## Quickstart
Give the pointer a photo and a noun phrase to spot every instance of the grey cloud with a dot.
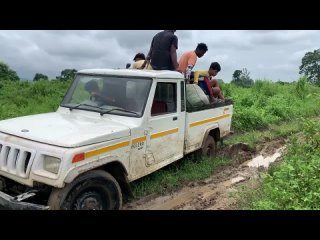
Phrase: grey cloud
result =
(71, 44)
(280, 37)
(134, 39)
(272, 54)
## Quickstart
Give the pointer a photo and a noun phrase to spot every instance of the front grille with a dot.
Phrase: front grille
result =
(15, 160)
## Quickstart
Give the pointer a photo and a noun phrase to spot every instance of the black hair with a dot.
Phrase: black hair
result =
(215, 66)
(139, 55)
(91, 85)
(202, 47)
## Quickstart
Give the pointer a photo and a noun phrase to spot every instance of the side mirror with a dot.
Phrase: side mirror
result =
(128, 65)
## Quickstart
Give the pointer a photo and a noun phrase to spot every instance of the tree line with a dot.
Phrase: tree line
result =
(6, 73)
(66, 74)
(310, 68)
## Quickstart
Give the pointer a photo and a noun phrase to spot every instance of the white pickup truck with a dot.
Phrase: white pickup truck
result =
(84, 155)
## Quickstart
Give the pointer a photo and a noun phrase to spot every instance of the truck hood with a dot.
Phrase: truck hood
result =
(65, 130)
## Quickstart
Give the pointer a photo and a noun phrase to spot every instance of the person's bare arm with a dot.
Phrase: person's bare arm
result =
(214, 83)
(149, 54)
(98, 94)
(196, 77)
(173, 53)
(148, 58)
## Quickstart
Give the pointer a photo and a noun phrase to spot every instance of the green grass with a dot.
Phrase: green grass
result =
(270, 103)
(273, 132)
(294, 183)
(27, 98)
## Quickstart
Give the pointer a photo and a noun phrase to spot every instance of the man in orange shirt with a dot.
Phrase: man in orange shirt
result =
(189, 59)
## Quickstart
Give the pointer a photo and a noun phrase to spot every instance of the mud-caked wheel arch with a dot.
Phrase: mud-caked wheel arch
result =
(94, 190)
(208, 150)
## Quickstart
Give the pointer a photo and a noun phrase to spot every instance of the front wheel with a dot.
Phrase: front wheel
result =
(95, 190)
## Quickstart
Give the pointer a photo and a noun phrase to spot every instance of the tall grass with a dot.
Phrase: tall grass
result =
(271, 103)
(26, 98)
(295, 183)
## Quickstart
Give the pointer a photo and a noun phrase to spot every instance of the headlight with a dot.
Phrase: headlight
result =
(51, 164)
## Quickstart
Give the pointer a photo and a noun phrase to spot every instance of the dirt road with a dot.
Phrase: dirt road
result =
(216, 191)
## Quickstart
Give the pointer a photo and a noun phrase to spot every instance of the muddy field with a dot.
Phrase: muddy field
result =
(217, 191)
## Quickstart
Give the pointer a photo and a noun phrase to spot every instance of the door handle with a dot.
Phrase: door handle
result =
(175, 118)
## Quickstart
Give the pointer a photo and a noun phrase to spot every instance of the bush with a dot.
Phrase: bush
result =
(301, 88)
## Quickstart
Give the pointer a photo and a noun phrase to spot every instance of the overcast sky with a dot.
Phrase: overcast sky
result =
(274, 55)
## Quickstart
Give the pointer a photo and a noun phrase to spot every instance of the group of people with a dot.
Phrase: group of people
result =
(163, 56)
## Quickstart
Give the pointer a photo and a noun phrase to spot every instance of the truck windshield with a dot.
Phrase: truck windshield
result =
(116, 95)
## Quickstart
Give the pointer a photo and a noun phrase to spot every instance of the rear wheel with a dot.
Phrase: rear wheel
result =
(208, 149)
(95, 190)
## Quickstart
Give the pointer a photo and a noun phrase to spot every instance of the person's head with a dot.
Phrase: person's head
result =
(138, 57)
(214, 69)
(201, 49)
(91, 86)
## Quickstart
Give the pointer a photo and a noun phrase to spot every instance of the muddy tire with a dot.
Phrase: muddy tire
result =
(95, 190)
(208, 149)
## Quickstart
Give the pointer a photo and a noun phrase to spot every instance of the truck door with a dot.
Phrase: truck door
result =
(165, 134)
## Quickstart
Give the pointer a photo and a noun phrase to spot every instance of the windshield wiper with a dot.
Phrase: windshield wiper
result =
(83, 104)
(104, 111)
(118, 109)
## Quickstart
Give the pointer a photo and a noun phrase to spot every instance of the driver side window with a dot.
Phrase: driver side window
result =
(165, 99)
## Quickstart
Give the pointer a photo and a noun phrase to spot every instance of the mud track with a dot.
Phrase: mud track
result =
(216, 191)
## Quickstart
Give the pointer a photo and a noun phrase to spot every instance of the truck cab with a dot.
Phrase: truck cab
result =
(112, 127)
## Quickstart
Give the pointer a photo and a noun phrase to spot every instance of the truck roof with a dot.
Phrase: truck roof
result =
(134, 73)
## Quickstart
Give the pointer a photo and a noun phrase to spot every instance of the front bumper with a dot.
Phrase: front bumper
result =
(15, 203)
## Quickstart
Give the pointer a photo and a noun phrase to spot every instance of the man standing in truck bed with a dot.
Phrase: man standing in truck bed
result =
(163, 51)
(189, 59)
